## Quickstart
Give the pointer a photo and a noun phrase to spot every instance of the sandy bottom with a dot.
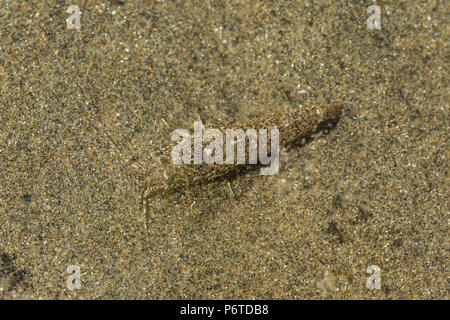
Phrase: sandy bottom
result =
(84, 113)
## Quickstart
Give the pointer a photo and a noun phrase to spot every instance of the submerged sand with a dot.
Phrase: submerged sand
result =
(83, 114)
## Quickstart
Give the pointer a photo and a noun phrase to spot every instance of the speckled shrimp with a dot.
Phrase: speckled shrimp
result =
(292, 125)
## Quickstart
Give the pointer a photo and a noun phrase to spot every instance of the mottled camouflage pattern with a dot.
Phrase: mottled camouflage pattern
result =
(292, 125)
